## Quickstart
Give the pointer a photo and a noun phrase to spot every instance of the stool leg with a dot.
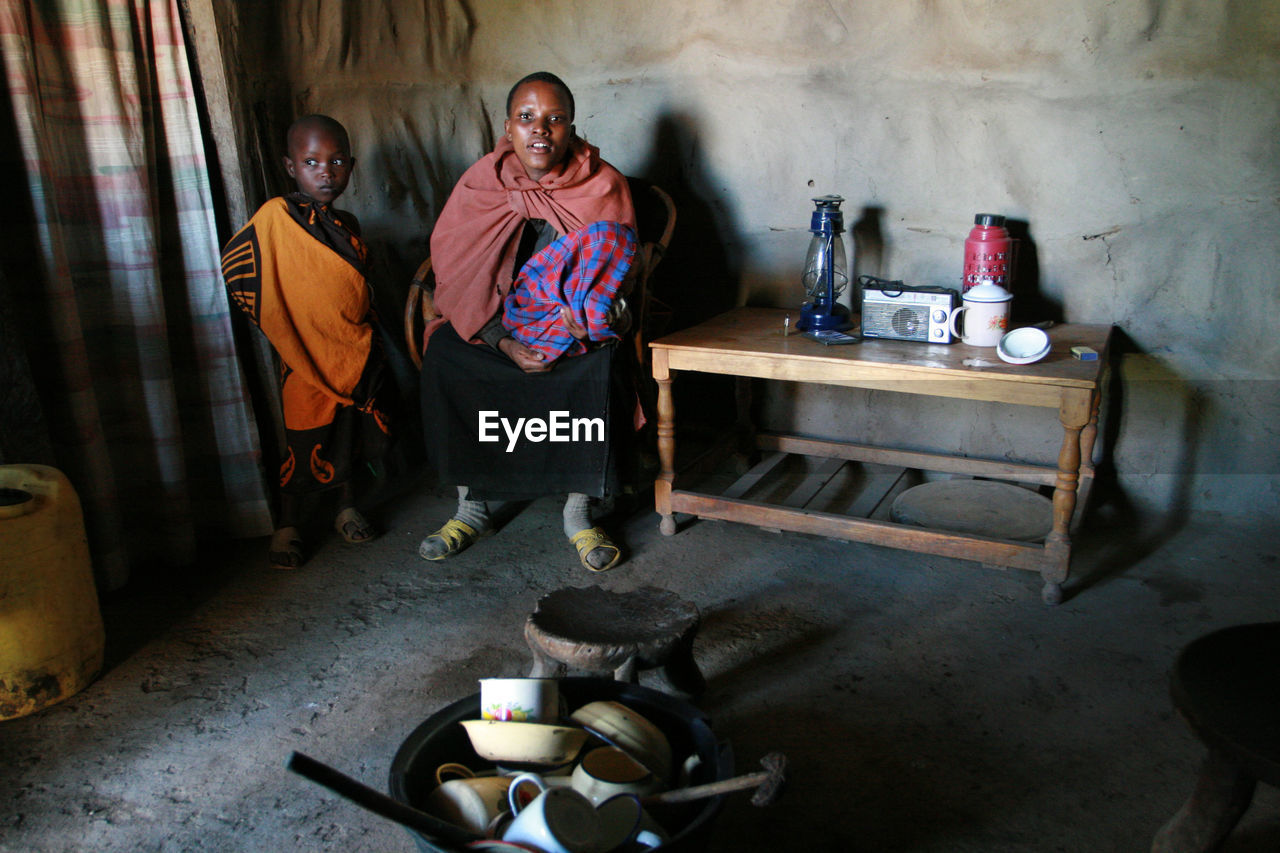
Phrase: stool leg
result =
(680, 675)
(545, 666)
(1222, 794)
(627, 671)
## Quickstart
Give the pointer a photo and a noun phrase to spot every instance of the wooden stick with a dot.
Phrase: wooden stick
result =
(710, 789)
(767, 782)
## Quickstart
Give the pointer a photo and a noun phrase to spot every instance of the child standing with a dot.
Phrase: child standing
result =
(299, 270)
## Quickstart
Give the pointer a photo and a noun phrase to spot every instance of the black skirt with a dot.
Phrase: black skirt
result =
(511, 435)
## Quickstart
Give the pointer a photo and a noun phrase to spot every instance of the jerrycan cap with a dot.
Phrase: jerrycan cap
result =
(987, 292)
(988, 219)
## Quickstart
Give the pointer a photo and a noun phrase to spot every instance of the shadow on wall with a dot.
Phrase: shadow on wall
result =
(700, 275)
(1116, 535)
(1029, 304)
(870, 253)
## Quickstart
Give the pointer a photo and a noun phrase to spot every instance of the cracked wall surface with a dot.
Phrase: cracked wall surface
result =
(1135, 144)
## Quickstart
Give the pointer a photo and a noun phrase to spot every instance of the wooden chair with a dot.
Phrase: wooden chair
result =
(656, 217)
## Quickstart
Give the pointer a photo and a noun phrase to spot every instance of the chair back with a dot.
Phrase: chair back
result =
(419, 309)
(656, 221)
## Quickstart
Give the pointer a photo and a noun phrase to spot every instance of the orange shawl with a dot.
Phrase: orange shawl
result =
(474, 244)
(310, 302)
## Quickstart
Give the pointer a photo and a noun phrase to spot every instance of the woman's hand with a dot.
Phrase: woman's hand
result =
(571, 325)
(528, 360)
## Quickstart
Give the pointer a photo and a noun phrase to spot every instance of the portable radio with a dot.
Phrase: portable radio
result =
(891, 309)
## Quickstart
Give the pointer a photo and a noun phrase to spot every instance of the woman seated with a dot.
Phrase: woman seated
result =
(520, 394)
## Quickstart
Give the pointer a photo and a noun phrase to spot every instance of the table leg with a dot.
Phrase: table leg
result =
(744, 430)
(666, 444)
(1088, 437)
(1074, 414)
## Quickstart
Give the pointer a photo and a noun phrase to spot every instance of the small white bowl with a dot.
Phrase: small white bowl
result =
(1023, 346)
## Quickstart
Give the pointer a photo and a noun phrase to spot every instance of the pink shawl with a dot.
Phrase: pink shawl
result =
(473, 246)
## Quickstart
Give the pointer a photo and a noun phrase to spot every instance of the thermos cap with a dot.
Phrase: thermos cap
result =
(988, 219)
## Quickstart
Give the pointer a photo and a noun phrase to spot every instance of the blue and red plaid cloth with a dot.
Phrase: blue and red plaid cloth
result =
(583, 271)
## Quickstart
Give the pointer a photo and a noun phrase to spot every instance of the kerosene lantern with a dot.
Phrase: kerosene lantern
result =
(826, 269)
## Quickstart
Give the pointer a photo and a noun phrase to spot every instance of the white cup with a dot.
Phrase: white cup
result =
(527, 700)
(558, 820)
(986, 315)
(470, 803)
(607, 772)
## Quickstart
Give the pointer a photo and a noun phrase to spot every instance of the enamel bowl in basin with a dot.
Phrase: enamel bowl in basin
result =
(630, 731)
(506, 741)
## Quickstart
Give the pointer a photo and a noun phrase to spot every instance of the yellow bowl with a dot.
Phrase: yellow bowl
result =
(524, 743)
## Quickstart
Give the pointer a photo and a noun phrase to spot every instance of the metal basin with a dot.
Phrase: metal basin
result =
(442, 739)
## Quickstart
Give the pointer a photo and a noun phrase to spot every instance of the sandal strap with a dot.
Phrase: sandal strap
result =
(456, 534)
(589, 539)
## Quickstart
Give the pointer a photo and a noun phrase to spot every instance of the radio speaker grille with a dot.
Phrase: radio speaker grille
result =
(910, 323)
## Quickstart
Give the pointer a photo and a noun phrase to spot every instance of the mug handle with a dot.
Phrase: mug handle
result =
(512, 800)
(951, 320)
(648, 839)
(461, 771)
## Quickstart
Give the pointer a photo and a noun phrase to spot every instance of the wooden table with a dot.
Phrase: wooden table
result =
(748, 342)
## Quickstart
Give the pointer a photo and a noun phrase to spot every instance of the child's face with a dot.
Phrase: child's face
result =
(540, 127)
(320, 163)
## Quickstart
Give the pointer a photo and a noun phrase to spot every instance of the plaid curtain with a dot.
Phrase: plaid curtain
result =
(128, 331)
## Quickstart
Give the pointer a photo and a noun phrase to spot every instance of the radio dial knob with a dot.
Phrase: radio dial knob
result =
(939, 315)
(937, 333)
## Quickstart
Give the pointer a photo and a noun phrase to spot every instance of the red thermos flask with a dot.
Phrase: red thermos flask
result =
(988, 252)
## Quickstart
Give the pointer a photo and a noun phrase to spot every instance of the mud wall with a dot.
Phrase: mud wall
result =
(1134, 143)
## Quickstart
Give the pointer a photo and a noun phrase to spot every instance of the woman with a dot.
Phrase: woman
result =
(529, 254)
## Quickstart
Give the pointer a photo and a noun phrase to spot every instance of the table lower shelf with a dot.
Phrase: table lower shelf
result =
(994, 552)
(795, 515)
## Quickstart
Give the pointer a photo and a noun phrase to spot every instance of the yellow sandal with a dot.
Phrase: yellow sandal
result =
(589, 540)
(455, 534)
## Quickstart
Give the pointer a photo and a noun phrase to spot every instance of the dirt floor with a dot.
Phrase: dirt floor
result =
(925, 704)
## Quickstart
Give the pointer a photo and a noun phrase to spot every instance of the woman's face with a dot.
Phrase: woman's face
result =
(540, 127)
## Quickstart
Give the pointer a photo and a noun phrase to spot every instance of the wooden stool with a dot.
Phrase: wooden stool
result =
(1227, 687)
(617, 633)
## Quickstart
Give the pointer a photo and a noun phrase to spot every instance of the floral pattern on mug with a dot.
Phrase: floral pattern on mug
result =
(506, 713)
(1000, 322)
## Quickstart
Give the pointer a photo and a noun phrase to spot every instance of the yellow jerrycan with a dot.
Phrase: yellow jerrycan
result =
(51, 636)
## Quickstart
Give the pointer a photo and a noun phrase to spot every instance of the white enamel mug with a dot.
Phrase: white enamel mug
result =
(525, 700)
(608, 771)
(471, 803)
(986, 315)
(558, 820)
